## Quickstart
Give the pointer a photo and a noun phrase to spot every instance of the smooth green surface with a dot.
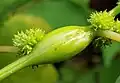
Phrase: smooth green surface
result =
(59, 13)
(64, 43)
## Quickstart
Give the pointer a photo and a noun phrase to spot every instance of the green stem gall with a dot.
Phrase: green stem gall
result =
(61, 44)
(58, 45)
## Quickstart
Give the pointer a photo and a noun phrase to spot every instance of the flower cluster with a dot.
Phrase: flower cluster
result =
(103, 20)
(25, 41)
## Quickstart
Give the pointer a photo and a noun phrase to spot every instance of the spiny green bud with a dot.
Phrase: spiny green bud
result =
(25, 41)
(102, 20)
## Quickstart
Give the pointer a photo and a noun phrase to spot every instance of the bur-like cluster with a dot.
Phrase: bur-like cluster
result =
(102, 20)
(25, 41)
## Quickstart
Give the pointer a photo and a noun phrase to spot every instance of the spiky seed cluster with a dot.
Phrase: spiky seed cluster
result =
(25, 41)
(102, 20)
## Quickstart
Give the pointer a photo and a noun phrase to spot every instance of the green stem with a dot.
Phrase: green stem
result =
(115, 11)
(8, 49)
(15, 66)
(109, 34)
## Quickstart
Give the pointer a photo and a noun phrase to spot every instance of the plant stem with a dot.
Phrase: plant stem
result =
(109, 34)
(8, 49)
(15, 66)
(115, 11)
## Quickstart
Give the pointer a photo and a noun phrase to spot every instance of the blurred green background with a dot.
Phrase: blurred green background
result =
(16, 15)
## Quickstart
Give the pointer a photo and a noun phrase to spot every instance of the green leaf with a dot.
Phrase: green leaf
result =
(59, 13)
(9, 6)
(109, 75)
(110, 52)
(82, 3)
